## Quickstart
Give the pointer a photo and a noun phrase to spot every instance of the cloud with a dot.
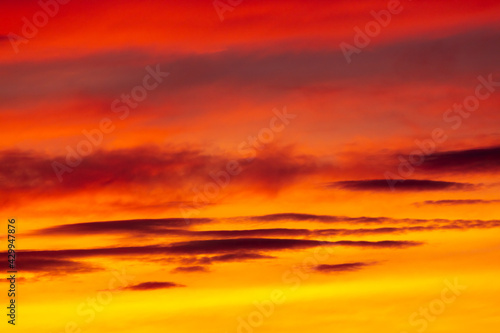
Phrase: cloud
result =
(162, 227)
(239, 257)
(153, 286)
(230, 257)
(457, 202)
(293, 217)
(27, 174)
(413, 223)
(379, 244)
(464, 161)
(169, 226)
(347, 267)
(217, 246)
(364, 231)
(142, 169)
(102, 77)
(298, 217)
(407, 185)
(190, 269)
(242, 244)
(51, 266)
(275, 232)
(143, 226)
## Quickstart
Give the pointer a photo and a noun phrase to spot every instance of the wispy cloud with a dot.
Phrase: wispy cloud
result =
(338, 268)
(190, 269)
(216, 246)
(464, 161)
(153, 286)
(457, 202)
(407, 185)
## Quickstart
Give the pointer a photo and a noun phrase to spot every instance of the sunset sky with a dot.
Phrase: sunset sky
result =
(237, 166)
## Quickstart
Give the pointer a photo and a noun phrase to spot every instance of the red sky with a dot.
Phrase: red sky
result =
(245, 145)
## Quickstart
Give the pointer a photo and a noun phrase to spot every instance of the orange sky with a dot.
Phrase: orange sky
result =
(226, 166)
